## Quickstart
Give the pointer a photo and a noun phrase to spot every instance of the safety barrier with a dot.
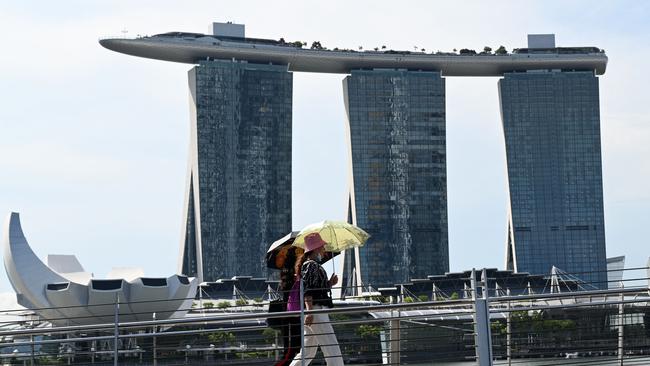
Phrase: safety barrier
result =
(483, 325)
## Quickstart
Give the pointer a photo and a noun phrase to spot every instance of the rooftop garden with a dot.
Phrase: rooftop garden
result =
(487, 50)
(318, 46)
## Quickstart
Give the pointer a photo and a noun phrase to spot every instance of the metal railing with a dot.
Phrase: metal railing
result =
(595, 327)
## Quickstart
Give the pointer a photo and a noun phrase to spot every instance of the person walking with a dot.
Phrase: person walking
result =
(290, 331)
(317, 295)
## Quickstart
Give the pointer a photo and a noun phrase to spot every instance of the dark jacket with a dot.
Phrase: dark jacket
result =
(316, 283)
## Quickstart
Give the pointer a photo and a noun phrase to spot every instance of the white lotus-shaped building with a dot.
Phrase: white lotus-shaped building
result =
(64, 294)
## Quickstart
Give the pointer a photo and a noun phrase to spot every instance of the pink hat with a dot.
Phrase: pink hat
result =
(313, 241)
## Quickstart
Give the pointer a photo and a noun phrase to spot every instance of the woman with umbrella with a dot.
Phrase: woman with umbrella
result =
(282, 255)
(290, 329)
(317, 295)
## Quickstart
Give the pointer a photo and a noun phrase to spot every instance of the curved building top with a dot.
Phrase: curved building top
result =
(193, 47)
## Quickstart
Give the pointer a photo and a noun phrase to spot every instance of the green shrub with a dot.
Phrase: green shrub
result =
(368, 331)
(223, 304)
(498, 328)
(241, 302)
(269, 335)
(221, 337)
(339, 317)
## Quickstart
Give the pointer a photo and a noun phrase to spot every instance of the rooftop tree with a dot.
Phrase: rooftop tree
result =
(466, 51)
(501, 51)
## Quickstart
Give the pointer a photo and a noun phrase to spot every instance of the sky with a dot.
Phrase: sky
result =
(94, 144)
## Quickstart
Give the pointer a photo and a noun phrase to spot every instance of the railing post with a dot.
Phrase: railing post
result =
(394, 349)
(277, 342)
(621, 328)
(31, 341)
(93, 348)
(302, 322)
(509, 331)
(116, 329)
(155, 356)
(483, 338)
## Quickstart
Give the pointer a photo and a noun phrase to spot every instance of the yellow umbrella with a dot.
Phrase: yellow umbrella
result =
(339, 235)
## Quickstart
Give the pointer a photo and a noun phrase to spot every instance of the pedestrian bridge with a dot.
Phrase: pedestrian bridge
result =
(598, 327)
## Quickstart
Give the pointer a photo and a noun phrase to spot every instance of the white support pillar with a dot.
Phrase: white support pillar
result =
(483, 337)
(434, 292)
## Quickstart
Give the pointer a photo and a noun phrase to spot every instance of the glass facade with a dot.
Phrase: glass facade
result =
(239, 199)
(551, 124)
(399, 194)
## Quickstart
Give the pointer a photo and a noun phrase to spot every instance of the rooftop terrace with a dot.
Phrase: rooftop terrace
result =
(193, 47)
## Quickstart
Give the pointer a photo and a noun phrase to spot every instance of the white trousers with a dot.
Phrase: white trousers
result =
(320, 333)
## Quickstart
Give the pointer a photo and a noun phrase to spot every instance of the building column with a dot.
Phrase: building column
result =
(397, 146)
(551, 124)
(238, 196)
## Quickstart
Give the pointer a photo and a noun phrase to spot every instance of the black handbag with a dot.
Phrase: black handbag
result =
(277, 306)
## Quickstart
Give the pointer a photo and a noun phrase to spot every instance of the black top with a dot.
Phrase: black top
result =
(287, 279)
(316, 283)
(287, 275)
